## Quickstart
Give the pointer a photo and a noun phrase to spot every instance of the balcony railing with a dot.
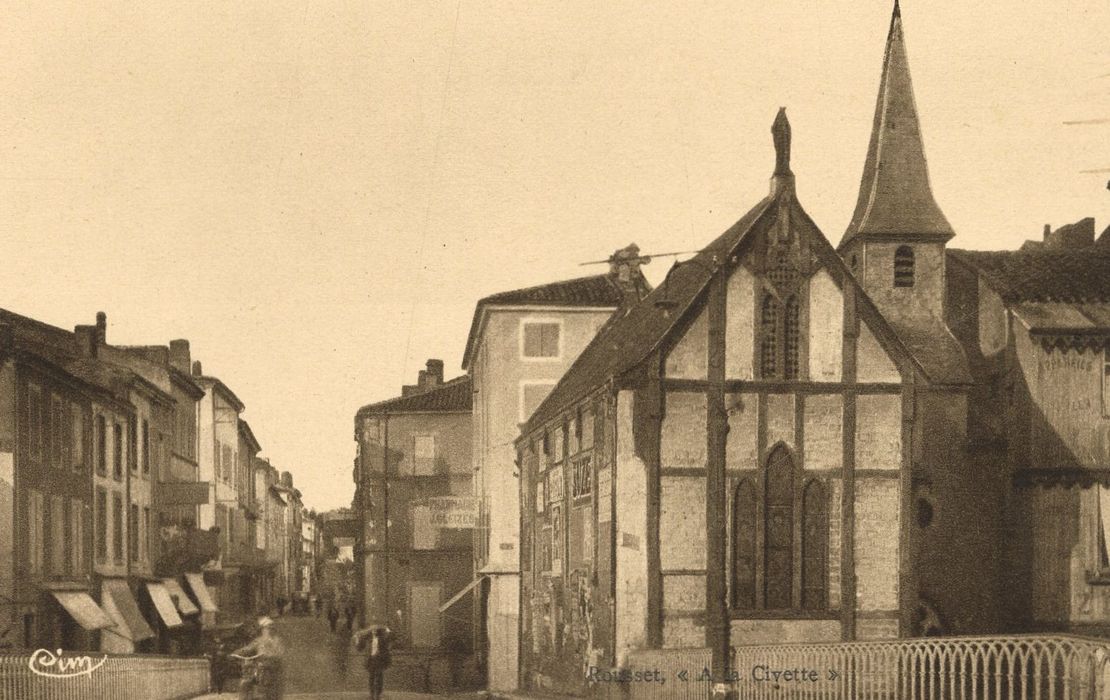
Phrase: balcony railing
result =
(1026, 667)
(119, 676)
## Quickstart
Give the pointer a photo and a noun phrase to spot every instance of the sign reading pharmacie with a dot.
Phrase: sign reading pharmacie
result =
(453, 512)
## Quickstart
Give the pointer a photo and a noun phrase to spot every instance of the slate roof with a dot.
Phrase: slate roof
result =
(895, 196)
(452, 396)
(593, 291)
(1073, 276)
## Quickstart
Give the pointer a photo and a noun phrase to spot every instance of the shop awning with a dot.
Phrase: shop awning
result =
(204, 598)
(163, 603)
(83, 609)
(121, 606)
(177, 593)
(458, 596)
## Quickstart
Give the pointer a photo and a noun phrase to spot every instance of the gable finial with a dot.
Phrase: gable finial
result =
(780, 132)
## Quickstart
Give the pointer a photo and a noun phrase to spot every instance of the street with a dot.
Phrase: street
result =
(319, 664)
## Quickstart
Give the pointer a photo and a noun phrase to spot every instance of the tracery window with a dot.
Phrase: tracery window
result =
(779, 341)
(769, 512)
(768, 339)
(790, 339)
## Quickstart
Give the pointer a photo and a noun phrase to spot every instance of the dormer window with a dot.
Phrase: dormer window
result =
(903, 266)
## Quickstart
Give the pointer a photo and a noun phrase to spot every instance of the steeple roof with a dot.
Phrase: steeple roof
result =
(895, 196)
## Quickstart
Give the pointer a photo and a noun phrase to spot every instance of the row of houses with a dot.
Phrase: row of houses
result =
(135, 508)
(784, 441)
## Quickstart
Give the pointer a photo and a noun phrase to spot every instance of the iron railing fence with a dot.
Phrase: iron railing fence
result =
(25, 676)
(1020, 667)
(1025, 667)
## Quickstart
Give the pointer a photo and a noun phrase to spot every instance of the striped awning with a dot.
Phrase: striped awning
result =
(184, 604)
(83, 609)
(121, 605)
(163, 603)
(200, 590)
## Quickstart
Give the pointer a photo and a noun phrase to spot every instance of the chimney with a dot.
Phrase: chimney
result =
(287, 480)
(422, 379)
(85, 338)
(435, 372)
(180, 358)
(197, 371)
(101, 328)
(624, 268)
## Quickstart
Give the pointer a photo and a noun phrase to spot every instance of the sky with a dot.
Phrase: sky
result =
(316, 194)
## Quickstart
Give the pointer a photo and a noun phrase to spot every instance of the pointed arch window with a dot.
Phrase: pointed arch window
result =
(780, 535)
(779, 531)
(790, 339)
(743, 546)
(779, 338)
(815, 538)
(903, 266)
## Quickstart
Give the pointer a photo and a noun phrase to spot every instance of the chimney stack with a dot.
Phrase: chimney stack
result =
(86, 340)
(435, 372)
(180, 357)
(197, 369)
(101, 328)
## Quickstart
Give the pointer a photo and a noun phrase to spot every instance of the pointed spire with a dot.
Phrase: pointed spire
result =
(895, 196)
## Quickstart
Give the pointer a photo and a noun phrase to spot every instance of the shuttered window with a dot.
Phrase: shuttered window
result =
(903, 266)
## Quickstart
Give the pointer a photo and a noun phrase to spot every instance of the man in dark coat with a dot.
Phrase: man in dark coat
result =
(333, 616)
(375, 640)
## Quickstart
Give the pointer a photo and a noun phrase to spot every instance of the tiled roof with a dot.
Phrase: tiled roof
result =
(594, 291)
(1049, 275)
(452, 396)
(597, 290)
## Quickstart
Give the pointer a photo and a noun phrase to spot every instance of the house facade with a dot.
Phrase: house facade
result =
(413, 471)
(520, 344)
(774, 446)
(1036, 325)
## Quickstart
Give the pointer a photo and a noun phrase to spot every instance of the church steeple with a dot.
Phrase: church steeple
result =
(895, 197)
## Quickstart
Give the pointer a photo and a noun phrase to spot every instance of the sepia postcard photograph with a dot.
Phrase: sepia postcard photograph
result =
(608, 350)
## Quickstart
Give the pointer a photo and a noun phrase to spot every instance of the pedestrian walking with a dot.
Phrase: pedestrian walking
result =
(375, 641)
(280, 605)
(349, 612)
(333, 616)
(264, 670)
